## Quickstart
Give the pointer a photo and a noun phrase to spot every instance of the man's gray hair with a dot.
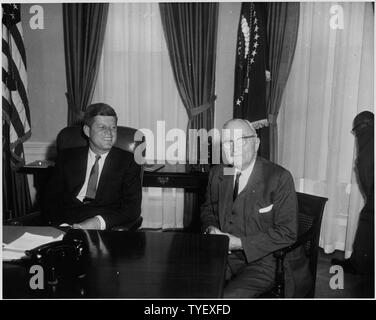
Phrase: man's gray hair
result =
(249, 124)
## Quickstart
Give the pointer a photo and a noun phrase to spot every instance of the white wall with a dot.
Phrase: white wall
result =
(46, 73)
(46, 82)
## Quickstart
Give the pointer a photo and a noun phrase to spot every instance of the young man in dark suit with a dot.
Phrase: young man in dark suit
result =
(253, 202)
(98, 186)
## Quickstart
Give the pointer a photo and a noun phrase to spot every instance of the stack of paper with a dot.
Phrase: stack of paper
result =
(16, 249)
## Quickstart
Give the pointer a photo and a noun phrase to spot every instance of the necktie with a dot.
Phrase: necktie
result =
(93, 178)
(236, 187)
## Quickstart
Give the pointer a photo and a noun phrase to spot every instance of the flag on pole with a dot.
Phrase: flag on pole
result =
(251, 65)
(16, 112)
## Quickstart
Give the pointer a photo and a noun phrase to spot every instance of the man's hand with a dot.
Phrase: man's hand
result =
(91, 223)
(213, 230)
(235, 243)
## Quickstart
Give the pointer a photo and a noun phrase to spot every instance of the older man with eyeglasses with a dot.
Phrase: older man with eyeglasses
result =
(253, 202)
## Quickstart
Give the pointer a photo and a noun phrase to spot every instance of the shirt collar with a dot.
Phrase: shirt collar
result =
(92, 155)
(247, 172)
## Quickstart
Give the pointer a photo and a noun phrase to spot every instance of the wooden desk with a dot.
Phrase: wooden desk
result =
(170, 176)
(40, 175)
(134, 265)
(176, 176)
(189, 178)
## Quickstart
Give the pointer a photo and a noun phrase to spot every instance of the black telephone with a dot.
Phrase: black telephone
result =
(60, 259)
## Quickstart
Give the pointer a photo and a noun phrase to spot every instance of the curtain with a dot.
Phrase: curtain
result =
(136, 79)
(331, 80)
(282, 33)
(190, 31)
(84, 28)
(191, 34)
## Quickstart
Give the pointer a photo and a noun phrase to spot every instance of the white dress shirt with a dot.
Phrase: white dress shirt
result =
(90, 162)
(244, 177)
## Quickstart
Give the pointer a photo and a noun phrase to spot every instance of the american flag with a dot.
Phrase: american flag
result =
(16, 113)
(251, 65)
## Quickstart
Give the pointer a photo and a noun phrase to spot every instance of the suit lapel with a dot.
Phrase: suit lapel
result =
(256, 177)
(225, 196)
(80, 163)
(254, 182)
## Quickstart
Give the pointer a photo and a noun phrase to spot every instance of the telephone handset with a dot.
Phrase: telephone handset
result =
(60, 259)
(63, 247)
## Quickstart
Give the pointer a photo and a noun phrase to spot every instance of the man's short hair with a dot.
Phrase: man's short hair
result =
(98, 109)
(363, 122)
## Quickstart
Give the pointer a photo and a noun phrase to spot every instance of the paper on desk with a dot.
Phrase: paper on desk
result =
(16, 249)
(9, 255)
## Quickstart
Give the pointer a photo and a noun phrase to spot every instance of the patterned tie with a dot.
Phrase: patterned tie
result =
(236, 187)
(93, 178)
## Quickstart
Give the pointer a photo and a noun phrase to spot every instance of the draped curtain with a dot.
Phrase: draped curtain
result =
(190, 31)
(136, 79)
(191, 34)
(331, 81)
(84, 28)
(282, 33)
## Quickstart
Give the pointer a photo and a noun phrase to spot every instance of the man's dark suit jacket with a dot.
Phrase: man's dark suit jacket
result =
(363, 248)
(118, 196)
(268, 230)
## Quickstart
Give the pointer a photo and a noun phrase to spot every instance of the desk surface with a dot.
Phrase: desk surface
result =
(180, 168)
(177, 176)
(136, 265)
(163, 167)
(190, 177)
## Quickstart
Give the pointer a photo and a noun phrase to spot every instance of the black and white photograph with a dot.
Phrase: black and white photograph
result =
(188, 154)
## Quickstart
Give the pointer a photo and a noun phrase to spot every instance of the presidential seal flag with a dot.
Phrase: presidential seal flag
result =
(251, 65)
(16, 113)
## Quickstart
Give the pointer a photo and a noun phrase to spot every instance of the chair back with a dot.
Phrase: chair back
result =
(311, 209)
(73, 136)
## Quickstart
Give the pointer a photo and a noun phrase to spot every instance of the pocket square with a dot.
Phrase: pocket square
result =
(266, 209)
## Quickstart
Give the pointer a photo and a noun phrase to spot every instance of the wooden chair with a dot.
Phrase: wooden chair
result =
(311, 209)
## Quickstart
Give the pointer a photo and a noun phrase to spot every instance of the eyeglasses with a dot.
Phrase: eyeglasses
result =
(238, 142)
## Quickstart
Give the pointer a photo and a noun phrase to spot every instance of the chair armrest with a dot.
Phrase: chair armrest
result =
(130, 226)
(281, 253)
